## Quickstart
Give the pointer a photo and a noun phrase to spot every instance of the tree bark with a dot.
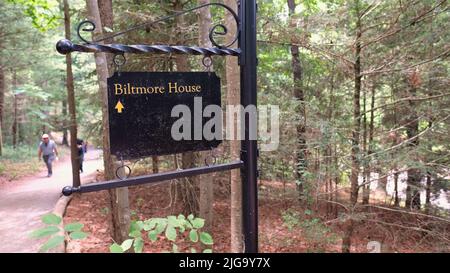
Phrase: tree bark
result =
(65, 140)
(346, 242)
(206, 184)
(301, 149)
(119, 197)
(14, 125)
(188, 187)
(2, 101)
(412, 130)
(428, 183)
(71, 101)
(233, 98)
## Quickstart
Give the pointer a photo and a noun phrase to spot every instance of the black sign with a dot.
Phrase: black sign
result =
(140, 112)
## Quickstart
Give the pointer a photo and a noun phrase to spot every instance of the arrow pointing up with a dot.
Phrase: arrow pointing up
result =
(119, 107)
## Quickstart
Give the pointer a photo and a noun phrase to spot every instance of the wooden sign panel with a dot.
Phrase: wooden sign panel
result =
(140, 106)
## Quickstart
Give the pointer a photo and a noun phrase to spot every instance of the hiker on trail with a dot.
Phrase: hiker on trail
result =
(47, 149)
(81, 151)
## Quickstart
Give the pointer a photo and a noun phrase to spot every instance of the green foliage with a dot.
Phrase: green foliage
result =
(315, 232)
(43, 13)
(172, 228)
(18, 162)
(52, 230)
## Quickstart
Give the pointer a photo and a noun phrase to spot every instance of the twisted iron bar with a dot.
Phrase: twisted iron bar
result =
(213, 31)
(65, 46)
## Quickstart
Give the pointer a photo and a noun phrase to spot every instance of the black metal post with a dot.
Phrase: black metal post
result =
(248, 63)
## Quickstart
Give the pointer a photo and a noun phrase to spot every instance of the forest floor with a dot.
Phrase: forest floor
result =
(24, 201)
(284, 224)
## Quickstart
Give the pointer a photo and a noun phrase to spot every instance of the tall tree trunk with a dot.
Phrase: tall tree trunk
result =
(2, 101)
(370, 148)
(346, 241)
(155, 164)
(428, 185)
(412, 130)
(366, 188)
(233, 98)
(188, 187)
(71, 101)
(301, 164)
(369, 145)
(65, 141)
(206, 181)
(14, 125)
(119, 197)
(396, 198)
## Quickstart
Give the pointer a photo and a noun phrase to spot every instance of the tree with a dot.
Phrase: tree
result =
(206, 181)
(71, 101)
(2, 100)
(301, 149)
(119, 197)
(233, 87)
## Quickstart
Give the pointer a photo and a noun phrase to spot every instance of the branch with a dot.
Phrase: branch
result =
(380, 71)
(409, 212)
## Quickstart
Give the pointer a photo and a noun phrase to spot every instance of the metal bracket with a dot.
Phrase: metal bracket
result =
(151, 178)
(65, 46)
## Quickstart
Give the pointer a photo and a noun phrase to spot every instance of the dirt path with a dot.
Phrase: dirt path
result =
(24, 201)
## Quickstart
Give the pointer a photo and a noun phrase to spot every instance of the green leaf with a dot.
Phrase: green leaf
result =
(171, 233)
(135, 234)
(207, 251)
(193, 250)
(182, 228)
(205, 238)
(193, 235)
(191, 216)
(44, 232)
(77, 235)
(73, 227)
(198, 222)
(126, 244)
(181, 217)
(52, 242)
(153, 235)
(138, 245)
(134, 226)
(160, 227)
(140, 224)
(149, 224)
(115, 248)
(51, 219)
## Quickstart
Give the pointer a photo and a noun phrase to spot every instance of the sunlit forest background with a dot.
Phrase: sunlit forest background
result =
(363, 91)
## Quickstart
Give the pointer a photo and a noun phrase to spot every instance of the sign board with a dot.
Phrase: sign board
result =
(140, 111)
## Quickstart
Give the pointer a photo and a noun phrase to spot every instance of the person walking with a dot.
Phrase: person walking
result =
(80, 146)
(48, 151)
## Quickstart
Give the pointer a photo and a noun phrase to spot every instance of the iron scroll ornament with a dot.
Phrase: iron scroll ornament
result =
(66, 46)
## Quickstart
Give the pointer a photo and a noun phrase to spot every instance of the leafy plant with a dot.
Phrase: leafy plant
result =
(313, 229)
(52, 231)
(169, 228)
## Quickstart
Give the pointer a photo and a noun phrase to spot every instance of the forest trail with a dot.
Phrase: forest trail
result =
(24, 201)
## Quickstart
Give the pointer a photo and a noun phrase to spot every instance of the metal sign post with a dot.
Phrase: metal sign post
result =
(246, 52)
(249, 149)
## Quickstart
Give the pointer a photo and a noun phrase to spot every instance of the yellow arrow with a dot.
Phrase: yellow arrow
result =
(119, 107)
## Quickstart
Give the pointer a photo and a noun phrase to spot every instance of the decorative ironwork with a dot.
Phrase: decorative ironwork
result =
(152, 178)
(66, 46)
(80, 27)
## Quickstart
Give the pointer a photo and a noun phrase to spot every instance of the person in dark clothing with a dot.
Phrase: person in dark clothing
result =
(80, 144)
